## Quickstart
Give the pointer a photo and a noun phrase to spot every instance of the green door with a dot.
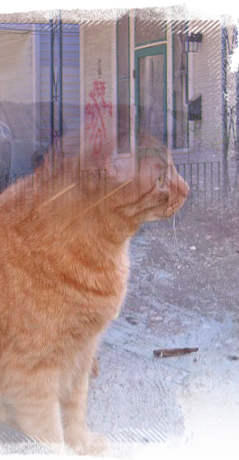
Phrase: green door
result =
(151, 99)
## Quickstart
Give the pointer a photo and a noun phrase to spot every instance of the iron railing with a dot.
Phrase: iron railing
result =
(204, 179)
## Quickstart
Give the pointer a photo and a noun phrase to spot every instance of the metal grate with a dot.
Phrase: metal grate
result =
(204, 179)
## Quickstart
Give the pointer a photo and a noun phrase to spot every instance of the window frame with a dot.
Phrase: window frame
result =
(127, 150)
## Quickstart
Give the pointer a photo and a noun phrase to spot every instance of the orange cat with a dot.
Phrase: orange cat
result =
(63, 276)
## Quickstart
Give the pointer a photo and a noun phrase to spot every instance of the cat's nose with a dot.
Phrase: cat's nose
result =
(185, 189)
(182, 187)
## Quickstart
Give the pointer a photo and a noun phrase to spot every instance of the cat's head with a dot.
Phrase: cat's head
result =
(156, 192)
(166, 186)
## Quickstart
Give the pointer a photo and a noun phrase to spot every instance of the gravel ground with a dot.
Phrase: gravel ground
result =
(183, 292)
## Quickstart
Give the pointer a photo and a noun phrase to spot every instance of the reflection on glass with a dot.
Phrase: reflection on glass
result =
(151, 99)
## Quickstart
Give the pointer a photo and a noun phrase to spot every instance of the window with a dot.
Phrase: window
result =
(123, 85)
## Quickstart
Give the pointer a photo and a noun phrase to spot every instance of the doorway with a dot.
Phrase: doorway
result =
(151, 99)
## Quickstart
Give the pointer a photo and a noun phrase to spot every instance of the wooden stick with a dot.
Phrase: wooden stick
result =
(167, 352)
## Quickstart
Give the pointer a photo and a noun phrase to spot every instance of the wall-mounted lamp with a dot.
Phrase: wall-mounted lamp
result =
(191, 42)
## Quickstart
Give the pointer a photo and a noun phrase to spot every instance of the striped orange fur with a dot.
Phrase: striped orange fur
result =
(63, 278)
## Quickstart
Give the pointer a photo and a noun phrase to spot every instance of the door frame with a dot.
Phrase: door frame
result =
(143, 52)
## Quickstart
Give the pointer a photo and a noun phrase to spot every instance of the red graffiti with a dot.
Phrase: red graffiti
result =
(95, 112)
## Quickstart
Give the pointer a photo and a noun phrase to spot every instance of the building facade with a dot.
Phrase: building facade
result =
(158, 80)
(132, 81)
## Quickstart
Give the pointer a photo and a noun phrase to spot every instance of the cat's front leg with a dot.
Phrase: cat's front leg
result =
(7, 414)
(38, 416)
(74, 405)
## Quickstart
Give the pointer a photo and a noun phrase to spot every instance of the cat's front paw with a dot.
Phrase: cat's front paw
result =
(93, 444)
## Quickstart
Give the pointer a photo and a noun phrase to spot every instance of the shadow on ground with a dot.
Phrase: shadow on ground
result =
(183, 292)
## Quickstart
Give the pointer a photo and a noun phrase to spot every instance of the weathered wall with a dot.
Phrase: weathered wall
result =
(100, 98)
(16, 93)
(207, 82)
(98, 91)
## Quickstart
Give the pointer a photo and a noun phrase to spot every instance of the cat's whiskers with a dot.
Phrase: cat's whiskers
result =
(54, 197)
(45, 203)
(102, 199)
(174, 232)
(62, 192)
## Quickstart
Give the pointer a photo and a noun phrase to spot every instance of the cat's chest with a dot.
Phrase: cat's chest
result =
(102, 262)
(97, 282)
(109, 276)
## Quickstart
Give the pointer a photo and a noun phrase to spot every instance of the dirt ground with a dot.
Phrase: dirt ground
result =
(183, 292)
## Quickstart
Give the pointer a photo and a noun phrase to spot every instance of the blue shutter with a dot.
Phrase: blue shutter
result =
(70, 86)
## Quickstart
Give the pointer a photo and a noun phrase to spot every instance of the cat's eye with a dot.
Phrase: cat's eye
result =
(160, 180)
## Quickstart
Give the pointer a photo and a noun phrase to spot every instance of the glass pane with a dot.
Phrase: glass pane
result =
(151, 98)
(123, 116)
(150, 25)
(123, 46)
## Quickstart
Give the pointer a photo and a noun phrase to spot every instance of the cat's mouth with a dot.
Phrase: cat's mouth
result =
(170, 211)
